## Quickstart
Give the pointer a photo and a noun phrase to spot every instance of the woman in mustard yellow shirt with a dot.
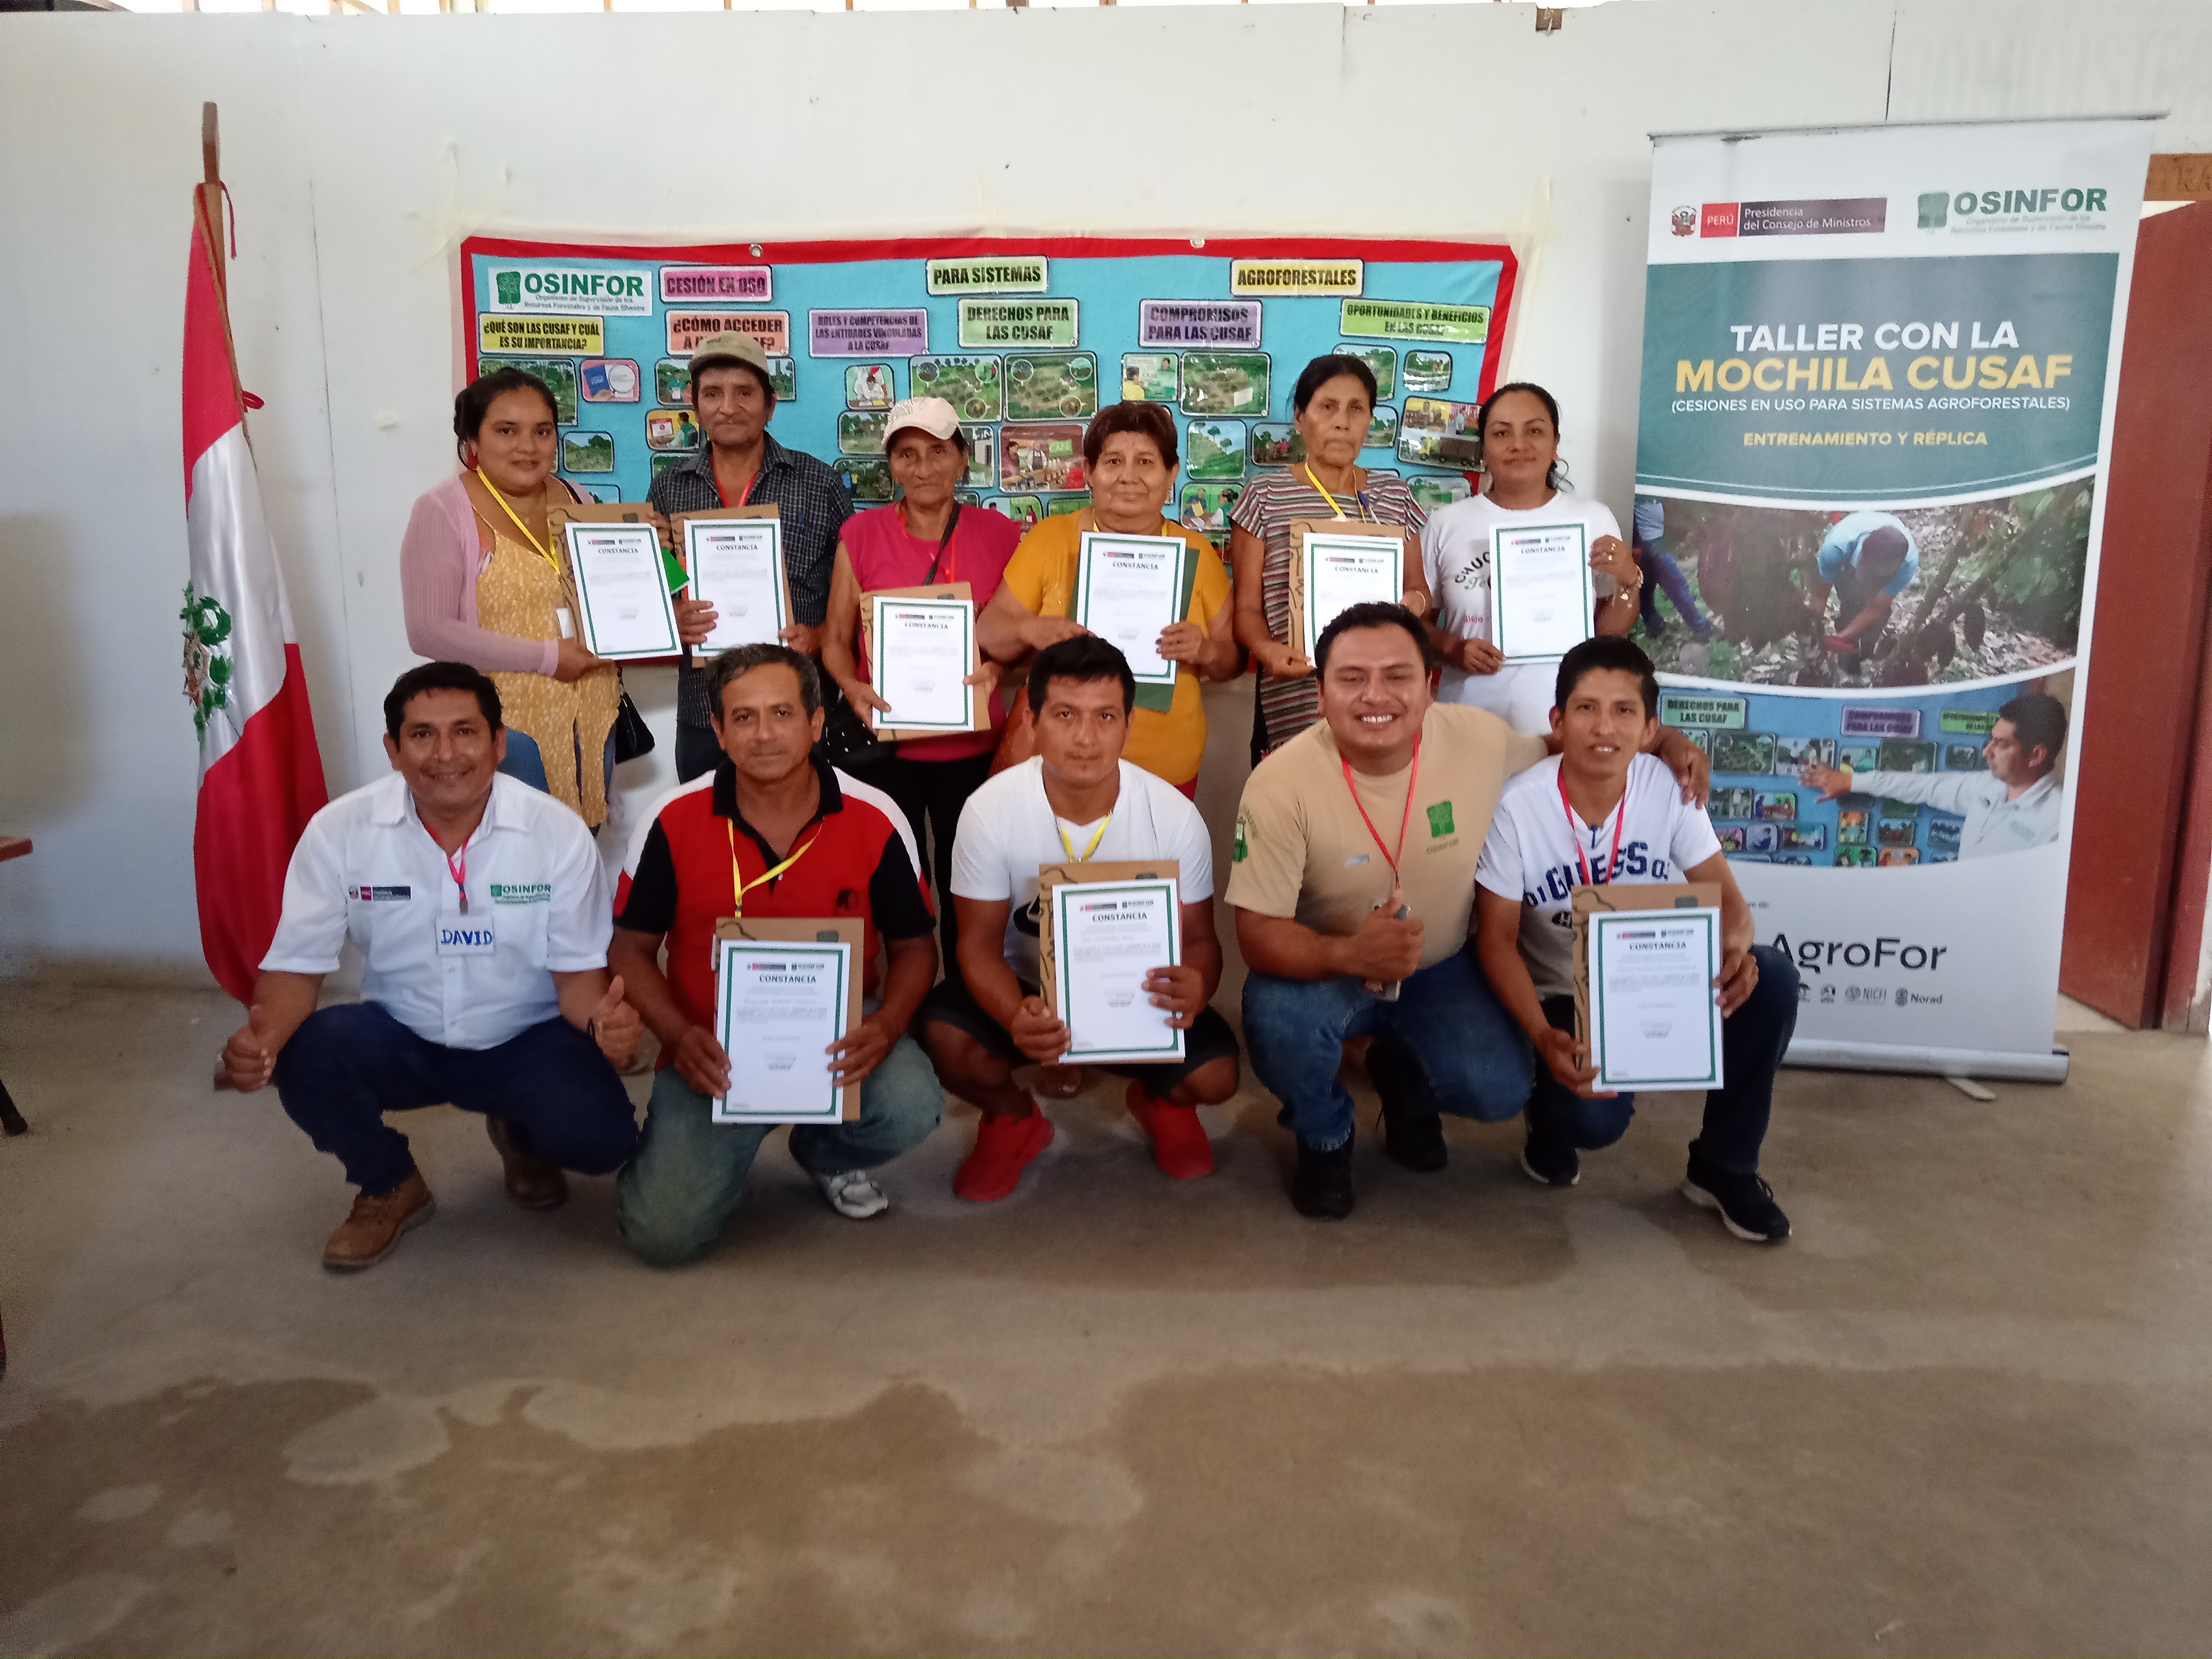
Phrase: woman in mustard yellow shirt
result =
(1129, 453)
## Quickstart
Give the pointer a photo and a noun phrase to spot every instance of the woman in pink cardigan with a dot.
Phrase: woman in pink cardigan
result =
(484, 584)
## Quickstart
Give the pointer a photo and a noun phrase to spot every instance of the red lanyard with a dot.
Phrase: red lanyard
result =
(459, 871)
(1574, 829)
(1390, 857)
(745, 496)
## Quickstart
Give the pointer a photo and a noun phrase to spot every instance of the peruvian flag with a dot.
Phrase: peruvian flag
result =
(261, 777)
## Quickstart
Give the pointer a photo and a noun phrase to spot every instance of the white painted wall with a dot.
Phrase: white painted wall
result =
(360, 151)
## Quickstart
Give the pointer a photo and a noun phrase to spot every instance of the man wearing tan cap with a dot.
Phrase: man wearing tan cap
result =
(740, 466)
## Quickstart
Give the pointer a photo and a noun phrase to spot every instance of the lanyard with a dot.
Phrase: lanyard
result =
(1410, 783)
(1083, 857)
(952, 523)
(1574, 829)
(1333, 507)
(458, 872)
(745, 496)
(542, 551)
(738, 882)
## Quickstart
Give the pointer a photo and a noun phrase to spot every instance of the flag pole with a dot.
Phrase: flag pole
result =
(211, 163)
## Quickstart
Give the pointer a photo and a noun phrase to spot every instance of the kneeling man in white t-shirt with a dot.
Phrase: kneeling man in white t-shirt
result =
(1077, 800)
(1601, 812)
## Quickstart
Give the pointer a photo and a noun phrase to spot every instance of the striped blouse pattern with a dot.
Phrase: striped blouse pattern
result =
(1266, 508)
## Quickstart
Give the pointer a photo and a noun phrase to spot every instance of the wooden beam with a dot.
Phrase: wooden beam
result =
(2179, 179)
(211, 167)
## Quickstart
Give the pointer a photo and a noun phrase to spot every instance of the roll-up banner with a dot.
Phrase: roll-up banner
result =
(1879, 371)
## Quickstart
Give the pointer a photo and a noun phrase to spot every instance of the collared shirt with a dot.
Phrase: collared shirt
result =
(813, 506)
(1993, 824)
(859, 861)
(365, 868)
(1307, 846)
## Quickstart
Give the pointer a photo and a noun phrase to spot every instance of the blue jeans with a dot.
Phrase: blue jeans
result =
(1752, 1039)
(1661, 571)
(1446, 1032)
(688, 1175)
(526, 763)
(348, 1066)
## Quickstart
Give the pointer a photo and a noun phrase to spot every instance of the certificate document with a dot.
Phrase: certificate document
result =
(1655, 1011)
(920, 653)
(1106, 937)
(1342, 571)
(1540, 597)
(737, 565)
(777, 1009)
(622, 588)
(1127, 590)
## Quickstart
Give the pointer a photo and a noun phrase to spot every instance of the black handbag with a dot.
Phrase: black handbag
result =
(633, 737)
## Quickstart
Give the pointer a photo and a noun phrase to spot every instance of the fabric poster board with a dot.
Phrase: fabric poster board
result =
(1026, 337)
(1922, 323)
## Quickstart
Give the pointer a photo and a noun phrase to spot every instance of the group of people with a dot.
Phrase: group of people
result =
(1403, 855)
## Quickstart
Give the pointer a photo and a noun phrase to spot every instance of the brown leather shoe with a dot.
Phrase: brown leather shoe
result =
(372, 1231)
(531, 1180)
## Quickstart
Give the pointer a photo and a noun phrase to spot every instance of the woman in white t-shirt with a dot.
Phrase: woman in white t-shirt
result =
(1524, 484)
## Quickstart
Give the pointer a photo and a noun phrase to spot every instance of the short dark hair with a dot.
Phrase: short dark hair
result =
(475, 400)
(1557, 477)
(438, 677)
(2040, 722)
(720, 359)
(1606, 651)
(1147, 420)
(1374, 613)
(1085, 657)
(734, 664)
(1323, 370)
(1884, 550)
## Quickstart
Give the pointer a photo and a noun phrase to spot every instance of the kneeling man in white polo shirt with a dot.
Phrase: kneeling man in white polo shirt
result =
(483, 913)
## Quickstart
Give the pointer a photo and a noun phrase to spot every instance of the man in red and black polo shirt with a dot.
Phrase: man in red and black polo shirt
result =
(803, 839)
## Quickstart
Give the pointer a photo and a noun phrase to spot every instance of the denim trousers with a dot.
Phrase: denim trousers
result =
(1446, 1037)
(688, 1175)
(1753, 1040)
(1661, 571)
(347, 1065)
(526, 762)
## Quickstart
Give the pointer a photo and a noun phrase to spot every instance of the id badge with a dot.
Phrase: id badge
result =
(567, 622)
(466, 935)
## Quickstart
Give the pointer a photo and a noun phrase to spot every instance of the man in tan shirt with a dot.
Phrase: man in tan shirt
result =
(1352, 878)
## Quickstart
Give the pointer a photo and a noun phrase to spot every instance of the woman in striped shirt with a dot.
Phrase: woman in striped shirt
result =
(1332, 407)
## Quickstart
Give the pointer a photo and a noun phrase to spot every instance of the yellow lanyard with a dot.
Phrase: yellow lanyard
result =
(544, 552)
(1085, 856)
(738, 881)
(1330, 499)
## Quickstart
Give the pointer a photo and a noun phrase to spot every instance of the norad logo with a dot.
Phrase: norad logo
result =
(1937, 207)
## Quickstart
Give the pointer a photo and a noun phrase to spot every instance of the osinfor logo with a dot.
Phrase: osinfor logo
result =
(1941, 207)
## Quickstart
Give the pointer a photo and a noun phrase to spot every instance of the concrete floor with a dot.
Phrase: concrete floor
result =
(1967, 1409)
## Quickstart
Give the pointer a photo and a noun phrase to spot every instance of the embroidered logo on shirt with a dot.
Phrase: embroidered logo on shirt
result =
(1440, 819)
(522, 893)
(380, 895)
(1237, 853)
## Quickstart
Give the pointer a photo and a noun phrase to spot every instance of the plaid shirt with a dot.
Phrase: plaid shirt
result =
(814, 508)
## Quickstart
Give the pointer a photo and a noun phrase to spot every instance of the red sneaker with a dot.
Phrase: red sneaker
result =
(1179, 1143)
(1005, 1146)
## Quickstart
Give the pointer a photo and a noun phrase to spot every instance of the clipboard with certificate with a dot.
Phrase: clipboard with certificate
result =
(734, 557)
(1337, 563)
(1127, 590)
(625, 612)
(1542, 602)
(1645, 957)
(921, 647)
(1103, 926)
(785, 989)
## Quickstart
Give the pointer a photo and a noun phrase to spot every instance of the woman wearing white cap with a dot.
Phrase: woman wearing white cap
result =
(921, 539)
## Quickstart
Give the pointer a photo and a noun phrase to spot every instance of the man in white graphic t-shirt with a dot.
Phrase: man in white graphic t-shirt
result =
(1077, 800)
(1602, 811)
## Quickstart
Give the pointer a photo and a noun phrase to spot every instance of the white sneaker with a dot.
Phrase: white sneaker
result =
(854, 1194)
